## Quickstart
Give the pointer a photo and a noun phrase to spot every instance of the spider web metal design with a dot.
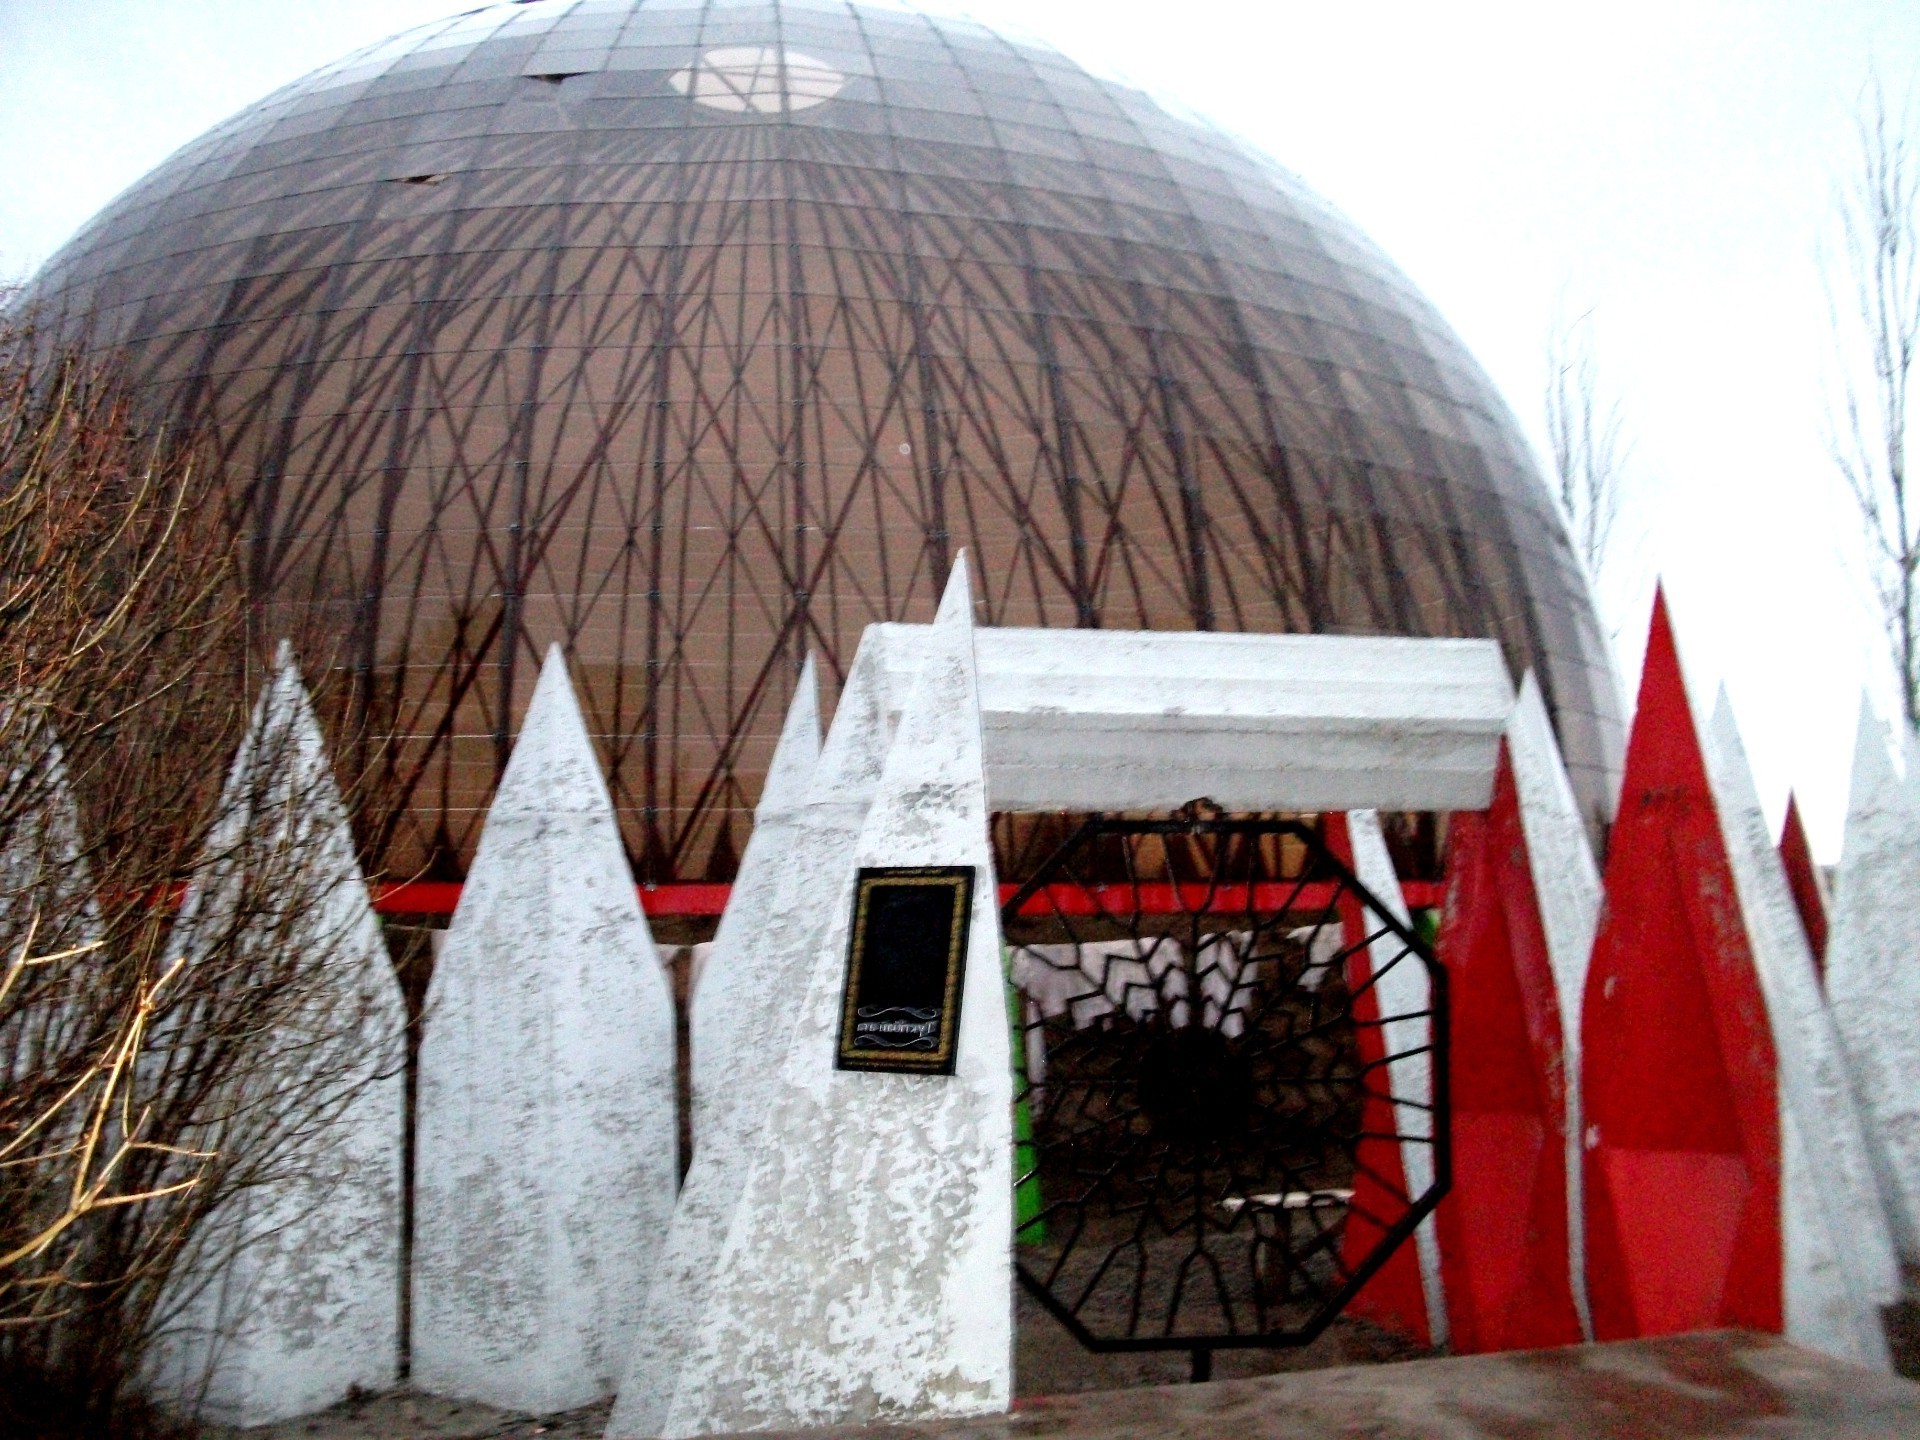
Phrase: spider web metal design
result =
(507, 335)
(1231, 1071)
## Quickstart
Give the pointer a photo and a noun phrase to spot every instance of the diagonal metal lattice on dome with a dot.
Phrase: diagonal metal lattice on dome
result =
(695, 336)
(1232, 1087)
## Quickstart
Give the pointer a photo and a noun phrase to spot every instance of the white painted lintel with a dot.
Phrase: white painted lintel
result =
(1147, 720)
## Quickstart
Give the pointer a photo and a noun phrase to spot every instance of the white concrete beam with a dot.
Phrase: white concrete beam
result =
(1145, 720)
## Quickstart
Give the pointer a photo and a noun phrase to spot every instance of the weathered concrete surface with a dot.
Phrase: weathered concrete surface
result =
(867, 1271)
(733, 977)
(289, 1297)
(1404, 991)
(1137, 720)
(1566, 887)
(546, 1165)
(1873, 980)
(1839, 1260)
(1724, 1385)
(781, 956)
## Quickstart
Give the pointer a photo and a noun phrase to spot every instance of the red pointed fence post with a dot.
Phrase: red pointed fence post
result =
(1503, 1227)
(1682, 1139)
(1803, 879)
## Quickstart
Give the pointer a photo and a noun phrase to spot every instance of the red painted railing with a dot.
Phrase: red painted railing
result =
(692, 901)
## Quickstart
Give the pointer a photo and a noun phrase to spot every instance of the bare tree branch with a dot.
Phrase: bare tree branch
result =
(1875, 320)
(1586, 433)
(154, 1064)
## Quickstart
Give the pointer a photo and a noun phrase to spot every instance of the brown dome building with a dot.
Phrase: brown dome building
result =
(696, 336)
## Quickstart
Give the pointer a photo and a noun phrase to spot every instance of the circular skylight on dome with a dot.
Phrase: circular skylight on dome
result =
(763, 79)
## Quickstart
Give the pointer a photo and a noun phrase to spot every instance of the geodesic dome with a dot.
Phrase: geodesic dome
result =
(697, 335)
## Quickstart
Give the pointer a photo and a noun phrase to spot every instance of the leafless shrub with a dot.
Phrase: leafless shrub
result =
(155, 1063)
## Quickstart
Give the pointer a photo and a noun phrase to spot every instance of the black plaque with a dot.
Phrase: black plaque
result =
(906, 959)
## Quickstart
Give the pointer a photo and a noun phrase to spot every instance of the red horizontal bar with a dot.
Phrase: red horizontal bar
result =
(438, 897)
(1197, 897)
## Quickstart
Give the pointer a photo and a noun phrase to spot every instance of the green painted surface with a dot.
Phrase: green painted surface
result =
(1028, 1228)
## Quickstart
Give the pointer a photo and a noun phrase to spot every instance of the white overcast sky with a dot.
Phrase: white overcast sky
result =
(1669, 166)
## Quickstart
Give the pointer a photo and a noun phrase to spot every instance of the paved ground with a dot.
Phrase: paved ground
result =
(1723, 1386)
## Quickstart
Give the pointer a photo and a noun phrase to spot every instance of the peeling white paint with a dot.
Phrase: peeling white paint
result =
(1404, 991)
(778, 956)
(546, 1161)
(1566, 887)
(733, 978)
(1873, 968)
(1840, 1264)
(308, 1306)
(867, 1271)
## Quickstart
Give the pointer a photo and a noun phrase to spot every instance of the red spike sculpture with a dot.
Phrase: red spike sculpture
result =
(1803, 879)
(1393, 1298)
(1503, 1227)
(1682, 1143)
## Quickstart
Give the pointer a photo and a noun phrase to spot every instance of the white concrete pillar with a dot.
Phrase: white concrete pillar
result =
(1873, 969)
(733, 979)
(1838, 1253)
(867, 1270)
(545, 1168)
(777, 955)
(1566, 887)
(289, 1295)
(1404, 990)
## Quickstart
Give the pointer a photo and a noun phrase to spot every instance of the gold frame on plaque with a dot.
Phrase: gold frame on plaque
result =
(940, 1060)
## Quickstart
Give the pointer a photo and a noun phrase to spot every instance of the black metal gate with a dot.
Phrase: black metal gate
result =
(1231, 1070)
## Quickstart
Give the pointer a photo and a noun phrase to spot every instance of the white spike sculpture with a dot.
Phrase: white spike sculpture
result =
(47, 901)
(546, 1160)
(802, 908)
(1839, 1257)
(288, 1297)
(1566, 885)
(46, 887)
(867, 1271)
(1404, 991)
(733, 980)
(1873, 969)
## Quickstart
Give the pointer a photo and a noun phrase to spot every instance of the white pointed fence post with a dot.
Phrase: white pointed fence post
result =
(867, 1270)
(1404, 991)
(288, 1296)
(545, 1165)
(1566, 886)
(46, 887)
(1873, 969)
(777, 953)
(1838, 1254)
(734, 980)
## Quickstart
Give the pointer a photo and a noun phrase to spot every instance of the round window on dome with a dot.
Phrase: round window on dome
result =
(759, 79)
